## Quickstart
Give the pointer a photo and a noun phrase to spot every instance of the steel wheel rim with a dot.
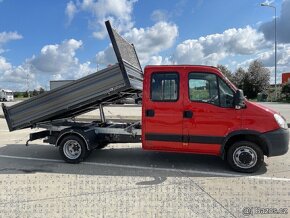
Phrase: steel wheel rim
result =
(245, 157)
(72, 149)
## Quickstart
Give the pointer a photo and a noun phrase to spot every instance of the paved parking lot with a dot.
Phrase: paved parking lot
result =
(125, 181)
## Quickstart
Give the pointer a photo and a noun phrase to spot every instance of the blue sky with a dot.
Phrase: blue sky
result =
(53, 39)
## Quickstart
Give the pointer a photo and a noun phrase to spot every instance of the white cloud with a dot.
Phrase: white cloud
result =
(57, 58)
(8, 73)
(119, 12)
(70, 11)
(213, 48)
(155, 60)
(159, 15)
(106, 57)
(245, 44)
(60, 62)
(268, 60)
(19, 74)
(57, 77)
(268, 57)
(4, 65)
(17, 77)
(152, 40)
(5, 37)
(148, 42)
(56, 61)
(9, 36)
(283, 27)
(83, 70)
(159, 60)
(284, 55)
(268, 2)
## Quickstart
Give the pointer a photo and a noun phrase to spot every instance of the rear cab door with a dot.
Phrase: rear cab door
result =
(162, 109)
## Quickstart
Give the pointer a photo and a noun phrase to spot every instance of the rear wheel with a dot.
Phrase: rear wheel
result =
(138, 101)
(73, 149)
(245, 156)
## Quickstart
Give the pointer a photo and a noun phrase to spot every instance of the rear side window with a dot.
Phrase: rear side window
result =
(164, 86)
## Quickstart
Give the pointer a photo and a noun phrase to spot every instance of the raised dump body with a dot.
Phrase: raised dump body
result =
(85, 94)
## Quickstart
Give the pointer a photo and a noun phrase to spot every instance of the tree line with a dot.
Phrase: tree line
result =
(253, 80)
(27, 94)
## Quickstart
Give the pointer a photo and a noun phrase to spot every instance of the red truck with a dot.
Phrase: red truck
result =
(197, 109)
(186, 108)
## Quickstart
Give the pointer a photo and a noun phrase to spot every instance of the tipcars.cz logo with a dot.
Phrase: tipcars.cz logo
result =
(250, 211)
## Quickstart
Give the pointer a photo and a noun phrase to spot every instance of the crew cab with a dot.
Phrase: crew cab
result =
(197, 109)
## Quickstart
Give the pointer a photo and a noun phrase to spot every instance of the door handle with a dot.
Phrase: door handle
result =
(150, 113)
(187, 114)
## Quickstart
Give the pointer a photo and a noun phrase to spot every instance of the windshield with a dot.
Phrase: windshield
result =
(9, 93)
(230, 83)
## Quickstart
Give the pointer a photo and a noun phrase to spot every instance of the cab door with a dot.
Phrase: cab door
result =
(162, 120)
(210, 102)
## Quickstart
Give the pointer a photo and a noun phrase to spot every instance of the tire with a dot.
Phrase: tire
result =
(73, 149)
(138, 101)
(88, 153)
(245, 157)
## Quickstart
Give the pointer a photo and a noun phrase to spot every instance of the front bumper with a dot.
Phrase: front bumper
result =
(277, 142)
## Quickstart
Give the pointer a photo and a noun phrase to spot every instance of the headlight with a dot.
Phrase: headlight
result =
(281, 121)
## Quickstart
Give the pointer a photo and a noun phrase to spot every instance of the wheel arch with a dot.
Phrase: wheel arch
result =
(75, 132)
(244, 135)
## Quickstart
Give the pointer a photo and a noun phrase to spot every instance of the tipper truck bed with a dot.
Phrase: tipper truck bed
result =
(85, 94)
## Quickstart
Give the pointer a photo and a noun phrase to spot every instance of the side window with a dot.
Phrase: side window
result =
(164, 86)
(203, 87)
(226, 94)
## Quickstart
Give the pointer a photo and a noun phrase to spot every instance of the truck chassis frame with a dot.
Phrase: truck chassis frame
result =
(95, 135)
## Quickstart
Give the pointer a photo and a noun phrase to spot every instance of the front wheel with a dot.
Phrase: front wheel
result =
(245, 157)
(73, 149)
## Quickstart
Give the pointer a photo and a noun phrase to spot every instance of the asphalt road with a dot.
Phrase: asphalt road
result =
(124, 181)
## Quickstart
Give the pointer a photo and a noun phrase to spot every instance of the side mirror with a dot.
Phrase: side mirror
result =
(239, 99)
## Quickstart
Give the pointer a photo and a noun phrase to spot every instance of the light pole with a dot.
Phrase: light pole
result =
(272, 6)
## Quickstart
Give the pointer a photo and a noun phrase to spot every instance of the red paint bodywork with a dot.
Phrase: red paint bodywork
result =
(285, 77)
(208, 120)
